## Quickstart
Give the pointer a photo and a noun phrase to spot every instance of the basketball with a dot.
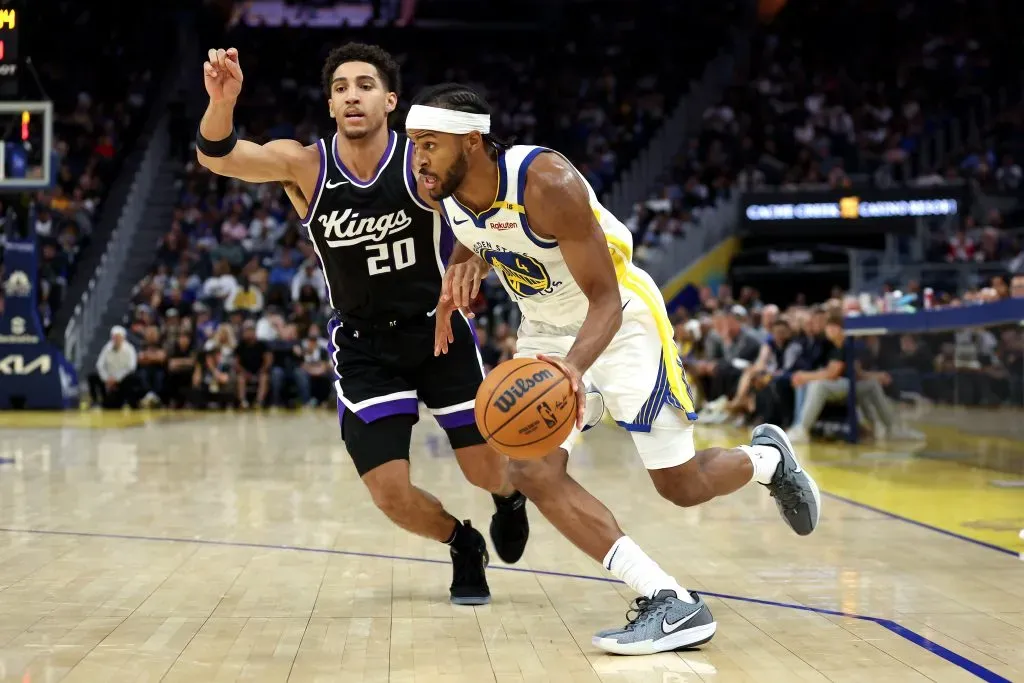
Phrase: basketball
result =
(525, 408)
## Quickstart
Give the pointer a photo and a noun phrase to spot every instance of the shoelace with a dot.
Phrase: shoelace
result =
(788, 493)
(640, 608)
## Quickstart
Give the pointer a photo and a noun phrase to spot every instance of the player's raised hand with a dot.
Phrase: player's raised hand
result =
(222, 75)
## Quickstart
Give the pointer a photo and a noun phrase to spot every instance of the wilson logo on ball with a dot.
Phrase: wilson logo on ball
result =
(508, 398)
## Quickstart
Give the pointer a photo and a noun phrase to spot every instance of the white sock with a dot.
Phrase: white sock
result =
(765, 460)
(628, 563)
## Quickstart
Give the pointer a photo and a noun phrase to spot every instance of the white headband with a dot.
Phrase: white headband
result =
(446, 120)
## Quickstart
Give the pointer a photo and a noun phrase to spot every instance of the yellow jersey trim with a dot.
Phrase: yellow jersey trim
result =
(677, 383)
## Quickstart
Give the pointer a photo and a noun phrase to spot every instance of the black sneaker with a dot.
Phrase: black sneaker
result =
(510, 528)
(469, 580)
(795, 492)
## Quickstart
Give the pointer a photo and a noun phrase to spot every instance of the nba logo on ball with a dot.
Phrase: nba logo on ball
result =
(545, 414)
(525, 408)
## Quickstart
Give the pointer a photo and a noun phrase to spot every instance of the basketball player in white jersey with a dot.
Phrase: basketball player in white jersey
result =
(528, 213)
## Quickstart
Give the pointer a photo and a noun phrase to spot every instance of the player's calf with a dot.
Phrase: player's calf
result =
(380, 452)
(687, 477)
(488, 469)
(485, 468)
(419, 512)
(409, 507)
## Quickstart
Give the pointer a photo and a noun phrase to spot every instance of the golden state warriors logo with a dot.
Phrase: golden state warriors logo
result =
(525, 275)
(18, 284)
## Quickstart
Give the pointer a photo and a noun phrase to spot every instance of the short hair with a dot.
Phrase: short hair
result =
(380, 58)
(460, 97)
(834, 318)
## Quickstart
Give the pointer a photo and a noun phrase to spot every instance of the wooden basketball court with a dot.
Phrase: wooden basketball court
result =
(154, 547)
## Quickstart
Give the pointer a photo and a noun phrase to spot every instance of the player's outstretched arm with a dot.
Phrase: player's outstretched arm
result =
(221, 152)
(558, 207)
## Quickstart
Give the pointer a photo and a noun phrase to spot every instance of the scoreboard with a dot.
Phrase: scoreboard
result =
(10, 23)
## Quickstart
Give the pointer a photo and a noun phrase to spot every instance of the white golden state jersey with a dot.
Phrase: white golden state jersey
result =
(530, 267)
(640, 370)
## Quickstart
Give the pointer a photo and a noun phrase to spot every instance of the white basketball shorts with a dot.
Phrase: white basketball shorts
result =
(639, 374)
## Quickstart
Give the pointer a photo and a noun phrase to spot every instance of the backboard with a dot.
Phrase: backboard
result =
(26, 146)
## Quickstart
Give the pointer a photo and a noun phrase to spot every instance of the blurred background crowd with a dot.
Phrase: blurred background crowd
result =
(232, 309)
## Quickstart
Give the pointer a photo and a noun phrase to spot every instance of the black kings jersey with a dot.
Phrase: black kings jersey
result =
(383, 250)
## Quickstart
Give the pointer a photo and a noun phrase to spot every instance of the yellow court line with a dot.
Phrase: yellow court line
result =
(90, 419)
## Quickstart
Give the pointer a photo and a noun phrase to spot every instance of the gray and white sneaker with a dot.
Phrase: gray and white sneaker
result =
(659, 624)
(795, 492)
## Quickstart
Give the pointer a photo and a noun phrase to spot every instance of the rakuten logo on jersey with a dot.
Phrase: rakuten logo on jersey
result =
(344, 229)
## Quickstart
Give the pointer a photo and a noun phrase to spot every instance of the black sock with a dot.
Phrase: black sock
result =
(461, 539)
(507, 502)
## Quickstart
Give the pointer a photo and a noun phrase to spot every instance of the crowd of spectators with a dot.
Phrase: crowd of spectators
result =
(751, 363)
(571, 89)
(99, 108)
(835, 97)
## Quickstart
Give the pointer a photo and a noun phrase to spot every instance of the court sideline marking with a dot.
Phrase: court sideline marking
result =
(960, 661)
(923, 525)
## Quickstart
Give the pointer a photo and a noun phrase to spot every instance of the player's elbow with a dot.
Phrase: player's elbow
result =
(215, 164)
(205, 161)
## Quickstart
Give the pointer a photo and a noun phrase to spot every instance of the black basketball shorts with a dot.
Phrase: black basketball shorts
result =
(381, 372)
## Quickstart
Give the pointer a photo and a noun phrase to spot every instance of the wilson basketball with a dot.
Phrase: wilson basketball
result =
(525, 408)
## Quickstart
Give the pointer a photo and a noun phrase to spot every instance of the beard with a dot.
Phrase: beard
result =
(354, 134)
(453, 179)
(362, 131)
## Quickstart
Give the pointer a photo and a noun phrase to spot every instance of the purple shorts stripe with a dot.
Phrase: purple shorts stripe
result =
(399, 406)
(460, 418)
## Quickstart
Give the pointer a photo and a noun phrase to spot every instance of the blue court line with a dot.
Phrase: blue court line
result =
(917, 639)
(923, 525)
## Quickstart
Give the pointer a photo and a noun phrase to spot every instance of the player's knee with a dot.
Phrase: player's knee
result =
(483, 467)
(390, 490)
(535, 479)
(684, 485)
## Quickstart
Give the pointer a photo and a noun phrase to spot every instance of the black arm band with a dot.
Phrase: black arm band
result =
(216, 148)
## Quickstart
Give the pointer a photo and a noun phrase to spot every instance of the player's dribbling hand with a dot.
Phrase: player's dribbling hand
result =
(222, 75)
(575, 381)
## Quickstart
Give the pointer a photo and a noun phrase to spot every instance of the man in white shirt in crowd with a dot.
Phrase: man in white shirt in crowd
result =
(114, 383)
(310, 274)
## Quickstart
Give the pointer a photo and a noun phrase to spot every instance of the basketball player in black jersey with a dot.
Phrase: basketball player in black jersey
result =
(383, 248)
